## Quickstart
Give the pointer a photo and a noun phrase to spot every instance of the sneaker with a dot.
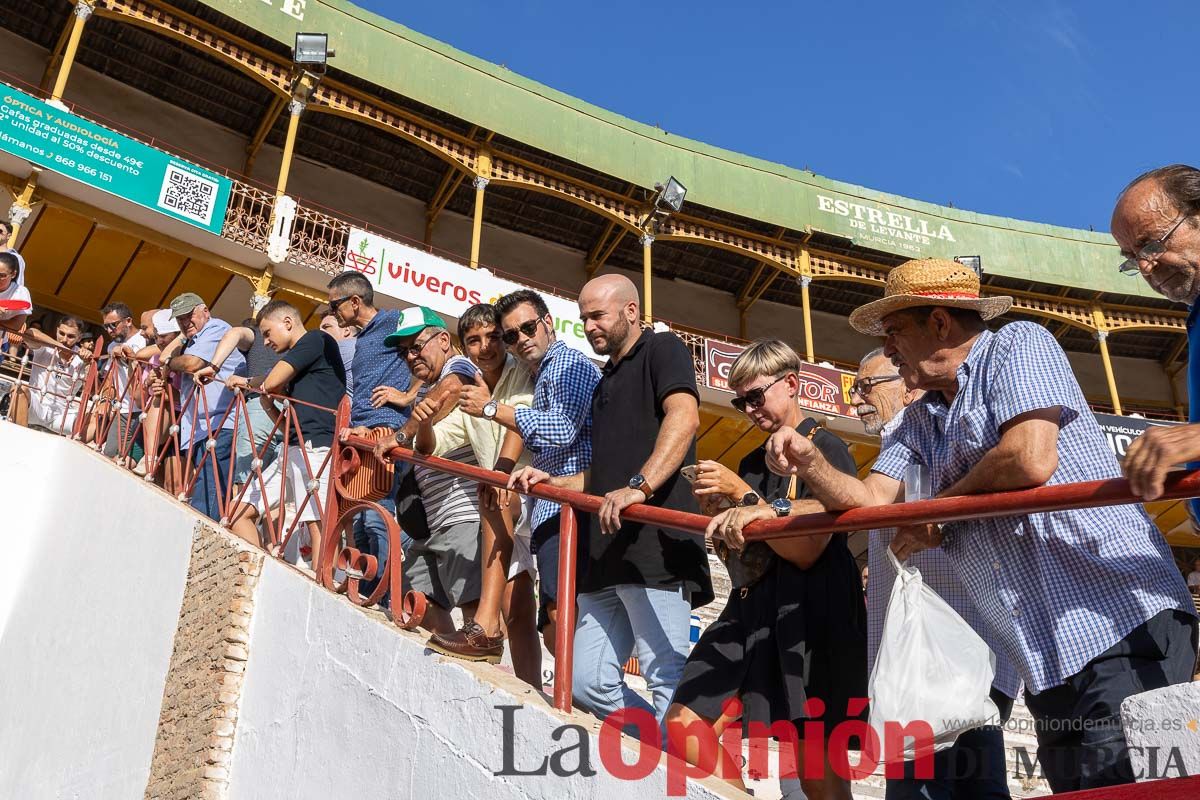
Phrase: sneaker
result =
(469, 643)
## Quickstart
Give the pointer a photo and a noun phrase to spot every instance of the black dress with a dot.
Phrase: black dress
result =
(792, 635)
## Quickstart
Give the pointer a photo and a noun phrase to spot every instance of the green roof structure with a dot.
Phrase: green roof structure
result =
(391, 56)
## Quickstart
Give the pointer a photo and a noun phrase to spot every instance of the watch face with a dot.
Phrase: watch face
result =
(636, 482)
(782, 507)
(749, 499)
(489, 409)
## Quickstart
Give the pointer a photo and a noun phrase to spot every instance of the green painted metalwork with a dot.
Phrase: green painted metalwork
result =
(431, 72)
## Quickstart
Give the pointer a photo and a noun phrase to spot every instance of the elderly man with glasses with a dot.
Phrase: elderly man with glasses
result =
(444, 566)
(1157, 224)
(205, 413)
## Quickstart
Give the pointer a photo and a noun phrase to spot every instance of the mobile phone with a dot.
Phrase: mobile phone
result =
(689, 473)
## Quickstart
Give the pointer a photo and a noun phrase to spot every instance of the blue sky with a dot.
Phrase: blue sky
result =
(1036, 110)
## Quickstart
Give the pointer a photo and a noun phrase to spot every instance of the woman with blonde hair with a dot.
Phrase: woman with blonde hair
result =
(794, 630)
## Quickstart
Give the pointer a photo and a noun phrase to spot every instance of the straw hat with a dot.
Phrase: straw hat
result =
(927, 282)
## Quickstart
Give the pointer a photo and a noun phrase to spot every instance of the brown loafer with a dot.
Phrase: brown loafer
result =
(469, 643)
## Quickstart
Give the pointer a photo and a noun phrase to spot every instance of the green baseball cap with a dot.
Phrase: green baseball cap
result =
(412, 321)
(184, 303)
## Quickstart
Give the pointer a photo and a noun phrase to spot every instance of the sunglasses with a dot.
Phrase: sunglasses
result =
(415, 349)
(863, 386)
(333, 304)
(526, 329)
(755, 397)
(111, 326)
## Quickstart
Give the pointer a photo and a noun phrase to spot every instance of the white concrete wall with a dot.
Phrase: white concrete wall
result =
(338, 703)
(90, 589)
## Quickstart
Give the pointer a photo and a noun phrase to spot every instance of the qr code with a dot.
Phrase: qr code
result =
(188, 195)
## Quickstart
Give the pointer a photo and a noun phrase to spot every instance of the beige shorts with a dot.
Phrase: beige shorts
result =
(295, 487)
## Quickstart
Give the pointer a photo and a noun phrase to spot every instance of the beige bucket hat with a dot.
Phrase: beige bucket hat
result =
(927, 282)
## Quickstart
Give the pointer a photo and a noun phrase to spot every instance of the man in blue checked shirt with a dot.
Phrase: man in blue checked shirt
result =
(975, 766)
(1086, 603)
(557, 430)
(1157, 224)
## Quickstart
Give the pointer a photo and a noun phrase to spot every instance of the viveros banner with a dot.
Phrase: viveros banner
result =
(58, 140)
(823, 389)
(413, 275)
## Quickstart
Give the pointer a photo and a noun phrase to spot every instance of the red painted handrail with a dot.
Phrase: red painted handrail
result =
(1179, 484)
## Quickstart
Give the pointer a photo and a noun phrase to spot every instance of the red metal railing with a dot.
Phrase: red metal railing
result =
(18, 375)
(341, 567)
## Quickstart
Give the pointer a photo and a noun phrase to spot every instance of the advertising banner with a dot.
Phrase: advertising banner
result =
(823, 389)
(1122, 431)
(413, 275)
(73, 146)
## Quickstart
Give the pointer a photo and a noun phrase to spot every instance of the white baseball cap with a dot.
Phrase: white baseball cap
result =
(164, 323)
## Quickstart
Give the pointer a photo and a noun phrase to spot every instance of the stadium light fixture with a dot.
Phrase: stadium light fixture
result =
(670, 195)
(312, 51)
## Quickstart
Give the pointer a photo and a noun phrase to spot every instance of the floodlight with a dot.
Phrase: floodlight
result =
(312, 50)
(670, 195)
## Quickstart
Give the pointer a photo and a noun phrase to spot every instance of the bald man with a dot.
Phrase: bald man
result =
(640, 581)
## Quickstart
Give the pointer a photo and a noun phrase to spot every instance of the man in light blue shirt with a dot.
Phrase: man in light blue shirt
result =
(1087, 603)
(205, 426)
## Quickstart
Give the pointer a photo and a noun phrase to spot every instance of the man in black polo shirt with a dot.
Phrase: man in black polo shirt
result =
(640, 581)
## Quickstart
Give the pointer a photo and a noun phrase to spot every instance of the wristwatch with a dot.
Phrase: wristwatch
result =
(782, 506)
(639, 482)
(401, 438)
(749, 499)
(489, 409)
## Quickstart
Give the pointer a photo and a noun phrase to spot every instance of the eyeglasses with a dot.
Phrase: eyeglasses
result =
(414, 350)
(526, 329)
(755, 397)
(1150, 251)
(863, 386)
(333, 304)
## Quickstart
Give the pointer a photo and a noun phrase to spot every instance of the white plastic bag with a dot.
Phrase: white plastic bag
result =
(931, 667)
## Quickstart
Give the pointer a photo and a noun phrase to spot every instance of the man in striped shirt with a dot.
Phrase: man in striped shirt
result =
(444, 567)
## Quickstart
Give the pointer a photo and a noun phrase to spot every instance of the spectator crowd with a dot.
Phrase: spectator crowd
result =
(1081, 608)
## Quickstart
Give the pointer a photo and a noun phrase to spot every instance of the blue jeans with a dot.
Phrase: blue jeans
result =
(215, 472)
(614, 623)
(370, 532)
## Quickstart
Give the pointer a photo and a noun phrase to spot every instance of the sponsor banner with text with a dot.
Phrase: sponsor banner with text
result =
(1122, 431)
(823, 389)
(415, 276)
(58, 140)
